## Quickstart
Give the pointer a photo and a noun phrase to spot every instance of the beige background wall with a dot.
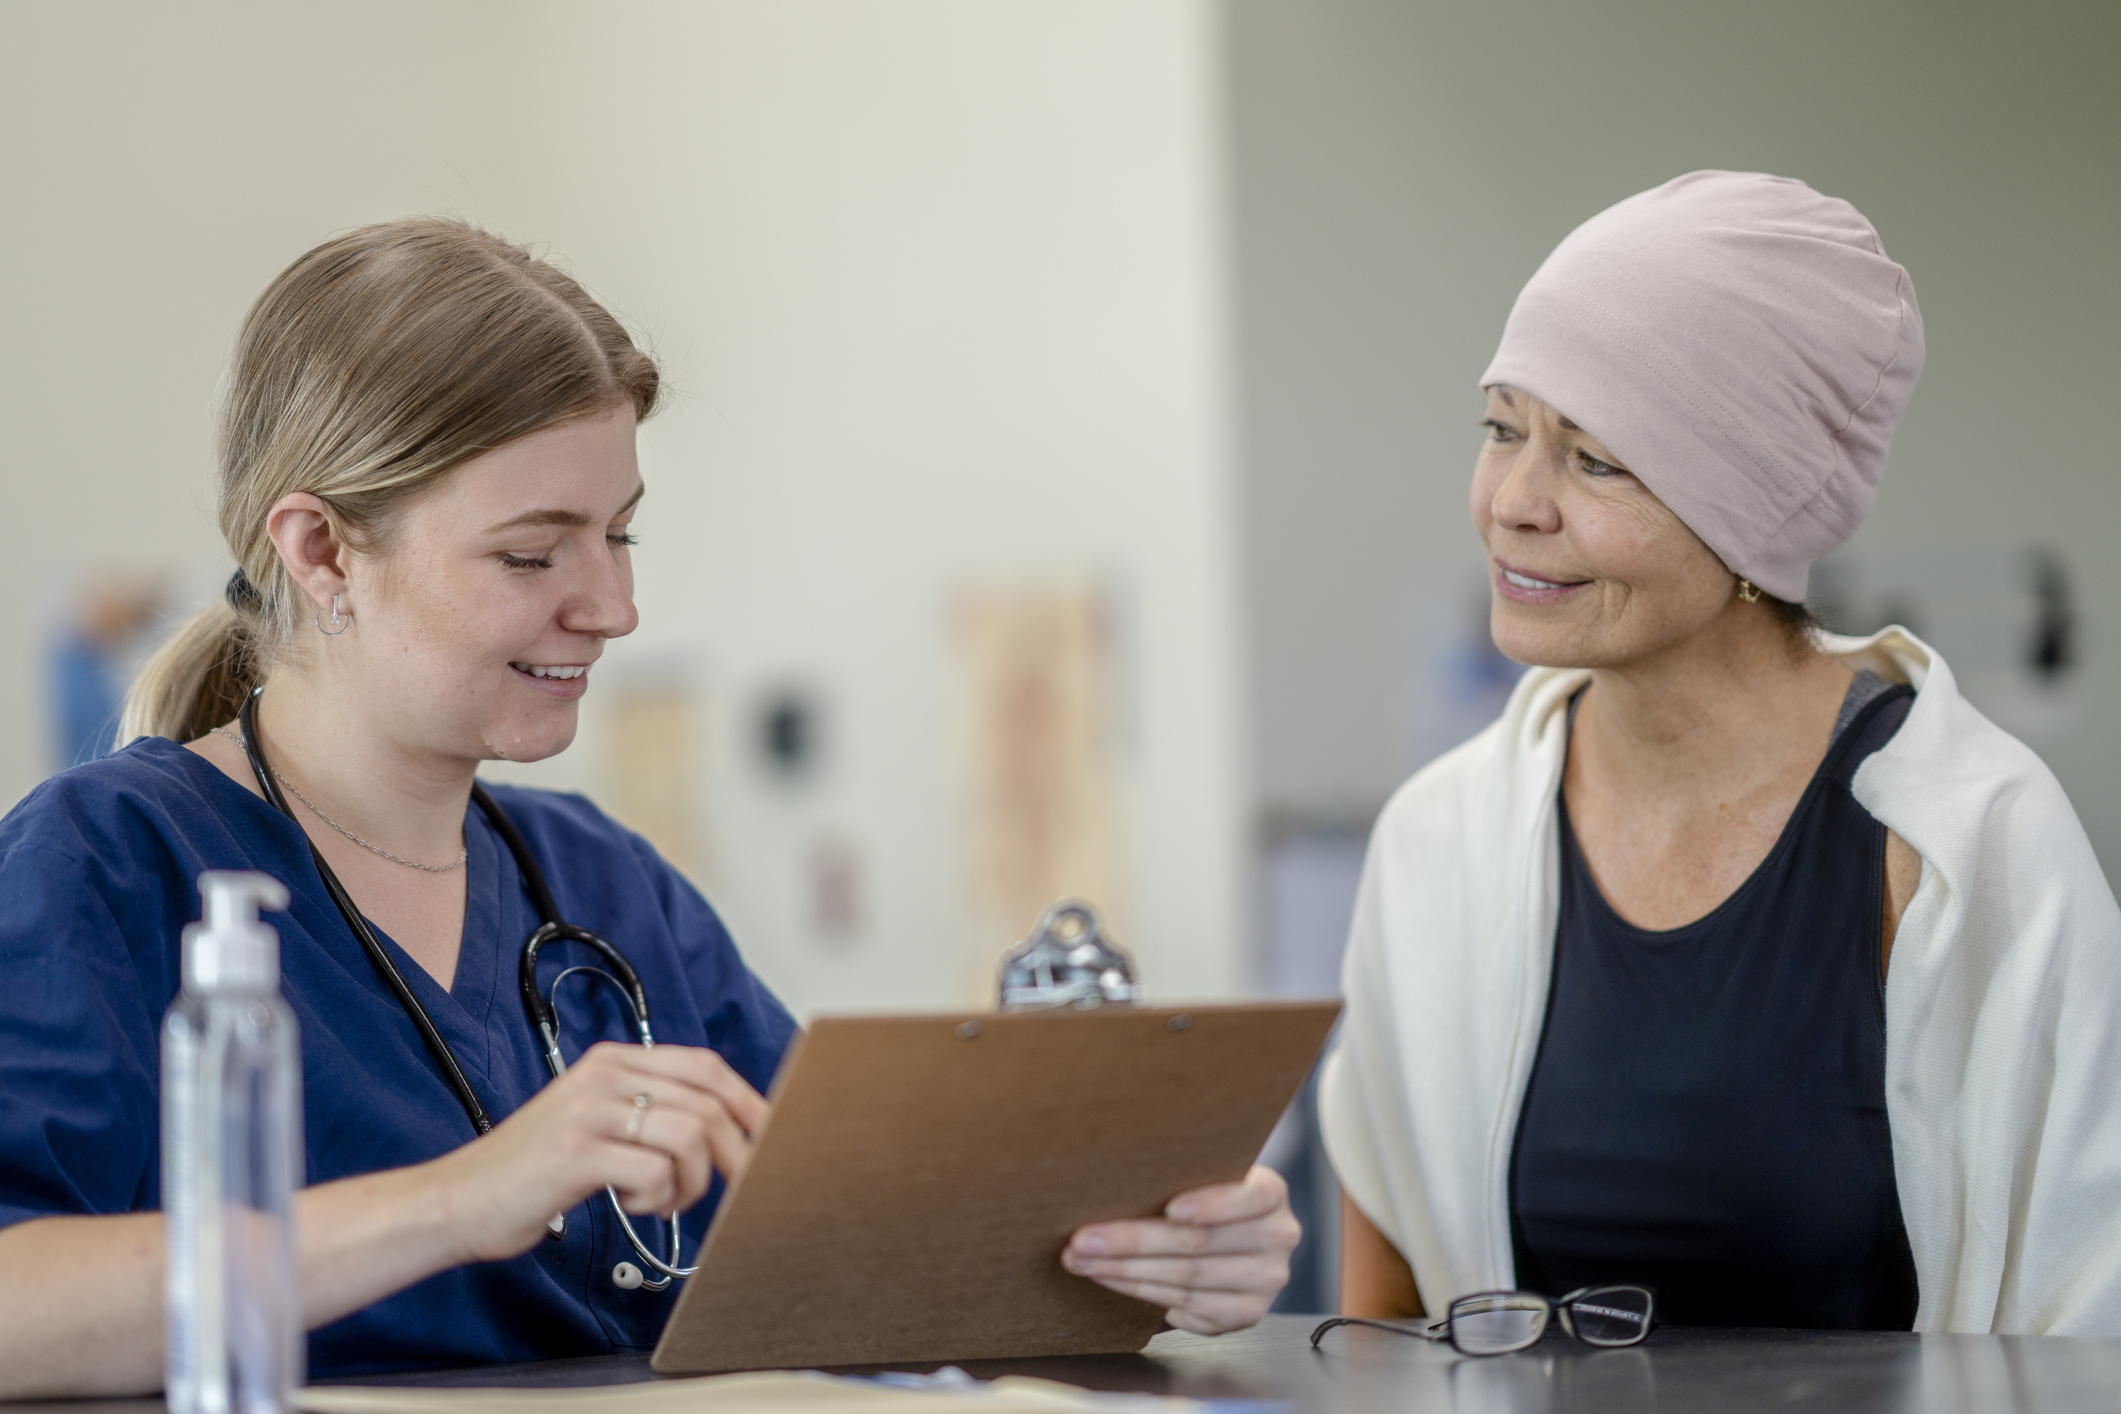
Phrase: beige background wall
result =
(1399, 169)
(160, 163)
(940, 285)
(936, 285)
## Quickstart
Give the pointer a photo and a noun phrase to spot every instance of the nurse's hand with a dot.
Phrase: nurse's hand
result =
(1216, 1258)
(585, 1130)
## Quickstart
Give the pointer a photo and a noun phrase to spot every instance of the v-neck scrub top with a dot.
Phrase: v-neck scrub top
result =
(98, 876)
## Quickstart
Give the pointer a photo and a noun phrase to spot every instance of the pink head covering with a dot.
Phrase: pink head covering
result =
(1743, 344)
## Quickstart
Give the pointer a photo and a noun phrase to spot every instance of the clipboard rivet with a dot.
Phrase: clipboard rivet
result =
(967, 1030)
(1180, 1022)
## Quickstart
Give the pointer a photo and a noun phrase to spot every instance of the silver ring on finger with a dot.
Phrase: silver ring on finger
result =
(634, 1120)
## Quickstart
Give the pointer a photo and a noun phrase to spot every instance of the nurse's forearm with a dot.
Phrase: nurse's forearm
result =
(81, 1304)
(81, 1297)
(362, 1239)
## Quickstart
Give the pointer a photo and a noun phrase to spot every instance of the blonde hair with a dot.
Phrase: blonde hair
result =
(369, 370)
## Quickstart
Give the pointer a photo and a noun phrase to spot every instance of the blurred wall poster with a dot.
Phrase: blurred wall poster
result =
(652, 742)
(1034, 665)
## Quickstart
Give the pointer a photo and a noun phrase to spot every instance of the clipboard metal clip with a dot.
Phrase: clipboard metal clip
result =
(1067, 962)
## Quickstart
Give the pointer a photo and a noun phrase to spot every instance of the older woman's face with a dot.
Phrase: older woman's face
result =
(1587, 568)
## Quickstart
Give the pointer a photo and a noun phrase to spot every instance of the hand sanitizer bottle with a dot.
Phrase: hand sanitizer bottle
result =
(231, 1159)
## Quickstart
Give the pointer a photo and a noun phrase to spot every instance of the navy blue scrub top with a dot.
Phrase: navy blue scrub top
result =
(98, 876)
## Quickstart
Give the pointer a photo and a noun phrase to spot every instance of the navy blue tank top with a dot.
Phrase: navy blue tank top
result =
(1706, 1113)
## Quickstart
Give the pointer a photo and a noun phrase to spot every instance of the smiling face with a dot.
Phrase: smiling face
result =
(475, 630)
(1588, 568)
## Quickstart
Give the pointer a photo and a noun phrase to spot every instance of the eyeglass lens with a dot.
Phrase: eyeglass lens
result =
(1609, 1315)
(1498, 1322)
(1493, 1323)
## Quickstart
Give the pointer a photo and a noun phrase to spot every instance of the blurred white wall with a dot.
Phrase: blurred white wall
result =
(937, 287)
(160, 164)
(1399, 169)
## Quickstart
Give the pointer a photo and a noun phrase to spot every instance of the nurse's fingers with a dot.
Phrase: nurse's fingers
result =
(693, 1125)
(1242, 1272)
(705, 1071)
(697, 1141)
(647, 1180)
(1154, 1237)
(666, 1161)
(1260, 1193)
(1201, 1312)
(675, 1095)
(571, 1139)
(1216, 1260)
(661, 1161)
(1234, 1317)
(1225, 1217)
(728, 1146)
(692, 1068)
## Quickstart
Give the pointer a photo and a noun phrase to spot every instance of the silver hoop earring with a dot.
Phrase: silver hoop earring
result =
(341, 622)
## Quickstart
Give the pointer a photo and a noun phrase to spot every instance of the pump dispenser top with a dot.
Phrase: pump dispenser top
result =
(230, 949)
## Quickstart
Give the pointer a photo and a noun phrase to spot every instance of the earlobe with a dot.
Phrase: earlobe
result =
(311, 549)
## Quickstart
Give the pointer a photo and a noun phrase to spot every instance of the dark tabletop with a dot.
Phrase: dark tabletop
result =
(1373, 1372)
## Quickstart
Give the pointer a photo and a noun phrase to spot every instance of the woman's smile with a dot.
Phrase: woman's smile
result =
(566, 681)
(1525, 587)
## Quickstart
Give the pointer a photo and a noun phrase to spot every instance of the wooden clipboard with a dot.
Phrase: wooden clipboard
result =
(909, 1198)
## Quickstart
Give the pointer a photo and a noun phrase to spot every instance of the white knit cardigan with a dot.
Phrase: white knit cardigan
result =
(2003, 1009)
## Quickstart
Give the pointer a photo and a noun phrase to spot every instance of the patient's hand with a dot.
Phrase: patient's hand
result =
(1216, 1257)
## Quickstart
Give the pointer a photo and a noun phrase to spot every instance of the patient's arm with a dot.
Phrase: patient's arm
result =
(1903, 875)
(1375, 1281)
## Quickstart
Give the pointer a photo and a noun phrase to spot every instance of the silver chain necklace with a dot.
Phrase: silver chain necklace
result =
(408, 863)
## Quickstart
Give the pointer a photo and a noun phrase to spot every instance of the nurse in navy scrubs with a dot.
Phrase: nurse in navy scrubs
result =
(427, 480)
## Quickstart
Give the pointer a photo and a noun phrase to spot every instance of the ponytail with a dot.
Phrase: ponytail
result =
(196, 680)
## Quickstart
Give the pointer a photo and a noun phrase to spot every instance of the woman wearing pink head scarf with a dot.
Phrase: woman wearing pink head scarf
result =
(1738, 961)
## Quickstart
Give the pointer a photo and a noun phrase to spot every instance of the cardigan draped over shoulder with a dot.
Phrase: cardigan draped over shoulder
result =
(2003, 1009)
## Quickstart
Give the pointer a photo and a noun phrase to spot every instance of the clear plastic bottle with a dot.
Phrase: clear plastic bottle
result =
(231, 1160)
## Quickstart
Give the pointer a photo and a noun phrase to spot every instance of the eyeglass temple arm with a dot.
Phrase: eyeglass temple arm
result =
(1434, 1330)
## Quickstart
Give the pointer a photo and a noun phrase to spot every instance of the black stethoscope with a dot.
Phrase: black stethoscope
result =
(541, 1008)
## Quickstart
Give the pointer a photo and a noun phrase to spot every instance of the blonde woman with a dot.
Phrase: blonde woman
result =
(428, 483)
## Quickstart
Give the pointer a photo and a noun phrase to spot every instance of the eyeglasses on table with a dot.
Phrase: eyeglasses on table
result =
(1498, 1322)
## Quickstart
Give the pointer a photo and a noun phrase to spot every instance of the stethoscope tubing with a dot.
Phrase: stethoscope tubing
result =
(542, 1013)
(247, 720)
